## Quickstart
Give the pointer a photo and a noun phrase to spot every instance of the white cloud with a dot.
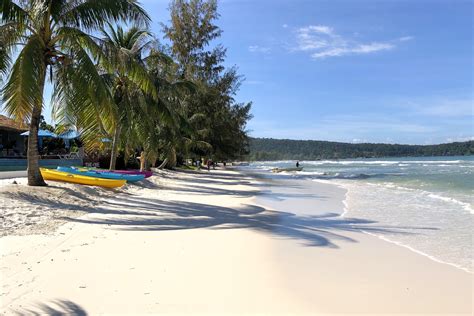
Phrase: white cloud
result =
(321, 29)
(440, 107)
(259, 49)
(358, 140)
(359, 49)
(284, 26)
(372, 47)
(322, 42)
(459, 139)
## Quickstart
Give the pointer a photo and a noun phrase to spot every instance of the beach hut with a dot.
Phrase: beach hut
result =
(11, 142)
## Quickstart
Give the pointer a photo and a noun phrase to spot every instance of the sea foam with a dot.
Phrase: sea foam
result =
(432, 225)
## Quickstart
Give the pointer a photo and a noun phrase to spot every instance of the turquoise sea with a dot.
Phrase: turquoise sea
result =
(411, 193)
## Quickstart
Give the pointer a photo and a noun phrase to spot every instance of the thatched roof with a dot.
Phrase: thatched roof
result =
(9, 124)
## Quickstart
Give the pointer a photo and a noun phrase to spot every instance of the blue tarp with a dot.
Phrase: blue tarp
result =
(41, 133)
(71, 134)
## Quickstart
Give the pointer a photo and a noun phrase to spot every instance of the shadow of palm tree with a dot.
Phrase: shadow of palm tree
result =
(55, 308)
(204, 180)
(141, 214)
(222, 177)
(125, 211)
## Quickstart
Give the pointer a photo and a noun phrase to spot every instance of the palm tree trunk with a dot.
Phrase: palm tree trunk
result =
(113, 154)
(142, 161)
(163, 164)
(172, 158)
(34, 175)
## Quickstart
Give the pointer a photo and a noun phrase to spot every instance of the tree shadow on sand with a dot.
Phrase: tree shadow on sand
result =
(202, 187)
(129, 213)
(54, 308)
(227, 178)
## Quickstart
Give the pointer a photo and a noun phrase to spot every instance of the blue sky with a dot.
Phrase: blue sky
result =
(346, 70)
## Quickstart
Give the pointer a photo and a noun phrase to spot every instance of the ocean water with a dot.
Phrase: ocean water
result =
(429, 200)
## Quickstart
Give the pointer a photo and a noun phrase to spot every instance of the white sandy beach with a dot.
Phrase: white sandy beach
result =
(220, 243)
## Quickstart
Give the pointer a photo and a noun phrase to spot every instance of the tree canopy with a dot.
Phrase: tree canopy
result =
(222, 121)
(112, 79)
(286, 149)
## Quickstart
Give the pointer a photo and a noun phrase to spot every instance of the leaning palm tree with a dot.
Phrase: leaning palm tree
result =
(125, 71)
(133, 71)
(162, 114)
(49, 39)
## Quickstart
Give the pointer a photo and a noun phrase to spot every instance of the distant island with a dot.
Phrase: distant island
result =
(286, 149)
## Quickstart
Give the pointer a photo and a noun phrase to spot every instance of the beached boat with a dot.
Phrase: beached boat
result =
(103, 175)
(55, 175)
(147, 174)
(287, 169)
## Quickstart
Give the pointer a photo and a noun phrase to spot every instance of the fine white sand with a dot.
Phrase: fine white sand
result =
(222, 243)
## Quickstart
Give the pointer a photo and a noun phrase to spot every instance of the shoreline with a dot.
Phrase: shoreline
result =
(397, 247)
(224, 242)
(400, 244)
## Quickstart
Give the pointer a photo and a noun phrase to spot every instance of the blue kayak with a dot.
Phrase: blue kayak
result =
(103, 175)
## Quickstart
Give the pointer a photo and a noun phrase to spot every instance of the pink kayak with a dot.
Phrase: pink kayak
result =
(147, 174)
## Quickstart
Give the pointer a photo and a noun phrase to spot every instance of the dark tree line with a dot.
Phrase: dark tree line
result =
(286, 149)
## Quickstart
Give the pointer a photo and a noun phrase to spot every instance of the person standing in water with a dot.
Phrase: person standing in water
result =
(297, 164)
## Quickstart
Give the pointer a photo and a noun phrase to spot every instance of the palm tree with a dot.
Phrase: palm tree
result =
(146, 96)
(50, 38)
(126, 73)
(165, 116)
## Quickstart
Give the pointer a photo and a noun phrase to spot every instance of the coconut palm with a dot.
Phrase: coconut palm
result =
(165, 115)
(131, 84)
(135, 73)
(142, 91)
(50, 39)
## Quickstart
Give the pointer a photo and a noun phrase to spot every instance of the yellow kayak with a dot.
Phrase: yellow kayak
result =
(55, 175)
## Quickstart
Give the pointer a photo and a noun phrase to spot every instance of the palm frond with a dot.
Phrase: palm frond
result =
(123, 56)
(185, 86)
(158, 56)
(93, 14)
(5, 60)
(10, 35)
(12, 12)
(202, 145)
(83, 96)
(24, 89)
(66, 35)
